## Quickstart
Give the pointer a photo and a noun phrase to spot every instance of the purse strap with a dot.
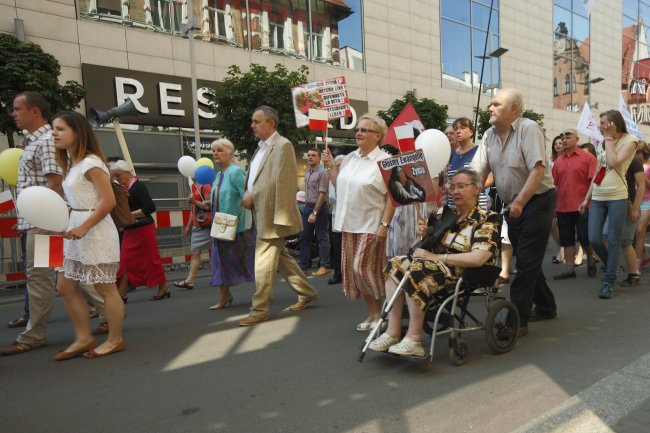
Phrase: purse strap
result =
(216, 198)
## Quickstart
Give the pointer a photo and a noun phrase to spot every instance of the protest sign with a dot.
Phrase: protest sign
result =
(330, 95)
(407, 178)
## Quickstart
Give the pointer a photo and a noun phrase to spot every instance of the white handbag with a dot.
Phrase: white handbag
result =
(224, 226)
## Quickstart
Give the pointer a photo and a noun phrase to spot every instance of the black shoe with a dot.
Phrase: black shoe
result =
(536, 317)
(591, 269)
(336, 279)
(631, 280)
(565, 275)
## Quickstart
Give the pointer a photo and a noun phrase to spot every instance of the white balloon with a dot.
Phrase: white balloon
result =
(43, 208)
(436, 148)
(187, 166)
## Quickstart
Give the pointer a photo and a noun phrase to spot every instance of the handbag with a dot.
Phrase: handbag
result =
(121, 213)
(202, 217)
(224, 226)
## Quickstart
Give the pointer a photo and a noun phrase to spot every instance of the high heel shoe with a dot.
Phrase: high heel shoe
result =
(222, 305)
(125, 299)
(167, 294)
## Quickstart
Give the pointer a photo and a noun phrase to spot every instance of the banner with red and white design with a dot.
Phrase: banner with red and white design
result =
(48, 251)
(408, 117)
(330, 95)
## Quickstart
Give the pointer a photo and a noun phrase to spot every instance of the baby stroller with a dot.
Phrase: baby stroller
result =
(448, 312)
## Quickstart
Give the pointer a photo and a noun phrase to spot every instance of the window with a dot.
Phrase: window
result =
(554, 86)
(465, 38)
(571, 53)
(635, 71)
(325, 31)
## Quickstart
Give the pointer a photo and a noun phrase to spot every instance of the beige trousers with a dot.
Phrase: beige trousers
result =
(271, 256)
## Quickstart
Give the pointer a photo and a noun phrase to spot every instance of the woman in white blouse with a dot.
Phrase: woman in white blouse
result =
(363, 214)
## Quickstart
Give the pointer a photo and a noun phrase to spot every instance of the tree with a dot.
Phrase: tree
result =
(432, 114)
(234, 100)
(484, 120)
(25, 66)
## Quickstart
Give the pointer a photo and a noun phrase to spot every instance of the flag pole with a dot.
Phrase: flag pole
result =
(325, 134)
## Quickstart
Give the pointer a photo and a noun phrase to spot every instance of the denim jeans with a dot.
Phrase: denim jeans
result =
(615, 212)
(322, 236)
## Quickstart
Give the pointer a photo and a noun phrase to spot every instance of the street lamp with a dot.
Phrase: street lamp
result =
(493, 55)
(188, 30)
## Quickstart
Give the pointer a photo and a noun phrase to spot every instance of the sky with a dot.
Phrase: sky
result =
(350, 28)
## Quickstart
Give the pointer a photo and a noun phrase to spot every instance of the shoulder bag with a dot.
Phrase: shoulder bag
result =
(224, 225)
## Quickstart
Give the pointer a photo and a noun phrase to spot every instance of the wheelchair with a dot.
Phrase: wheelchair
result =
(448, 314)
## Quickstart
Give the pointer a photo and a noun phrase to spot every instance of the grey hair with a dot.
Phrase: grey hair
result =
(474, 177)
(120, 165)
(514, 99)
(270, 113)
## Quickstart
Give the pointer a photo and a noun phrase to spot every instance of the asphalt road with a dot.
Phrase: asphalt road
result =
(189, 369)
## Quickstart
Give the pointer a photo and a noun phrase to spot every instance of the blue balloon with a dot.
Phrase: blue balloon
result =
(204, 175)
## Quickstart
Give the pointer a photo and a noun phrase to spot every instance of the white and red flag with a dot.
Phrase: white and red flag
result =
(318, 119)
(48, 251)
(6, 201)
(405, 138)
(408, 117)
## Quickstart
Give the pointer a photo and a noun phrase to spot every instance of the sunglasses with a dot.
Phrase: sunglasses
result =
(364, 131)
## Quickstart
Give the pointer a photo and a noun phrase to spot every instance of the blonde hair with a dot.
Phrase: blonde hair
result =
(379, 124)
(225, 143)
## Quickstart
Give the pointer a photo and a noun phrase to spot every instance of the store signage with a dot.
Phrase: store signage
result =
(166, 100)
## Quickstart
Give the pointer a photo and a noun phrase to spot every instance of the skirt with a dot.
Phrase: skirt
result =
(200, 238)
(427, 277)
(233, 262)
(362, 264)
(140, 259)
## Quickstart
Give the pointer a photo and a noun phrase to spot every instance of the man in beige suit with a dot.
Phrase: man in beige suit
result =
(271, 194)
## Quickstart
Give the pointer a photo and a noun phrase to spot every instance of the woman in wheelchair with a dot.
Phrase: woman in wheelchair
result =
(471, 240)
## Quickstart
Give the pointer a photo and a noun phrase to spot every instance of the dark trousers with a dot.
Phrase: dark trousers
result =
(322, 237)
(336, 241)
(529, 235)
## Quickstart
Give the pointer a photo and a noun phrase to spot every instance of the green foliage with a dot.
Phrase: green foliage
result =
(25, 66)
(432, 114)
(484, 120)
(241, 92)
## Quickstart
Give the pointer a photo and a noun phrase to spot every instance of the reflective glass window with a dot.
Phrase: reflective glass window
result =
(465, 39)
(635, 53)
(571, 55)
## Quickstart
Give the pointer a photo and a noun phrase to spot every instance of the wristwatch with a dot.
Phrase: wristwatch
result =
(314, 212)
(385, 224)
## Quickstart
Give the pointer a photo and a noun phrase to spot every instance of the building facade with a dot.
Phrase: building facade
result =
(555, 50)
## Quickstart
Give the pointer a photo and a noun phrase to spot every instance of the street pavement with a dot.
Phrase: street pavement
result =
(189, 369)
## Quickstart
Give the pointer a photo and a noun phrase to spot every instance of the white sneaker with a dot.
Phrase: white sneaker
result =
(407, 347)
(383, 342)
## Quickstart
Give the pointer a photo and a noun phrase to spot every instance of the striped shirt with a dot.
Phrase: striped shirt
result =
(37, 161)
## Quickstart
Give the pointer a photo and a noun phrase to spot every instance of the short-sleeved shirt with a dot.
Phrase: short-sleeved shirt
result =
(572, 175)
(614, 185)
(316, 181)
(360, 193)
(634, 168)
(37, 161)
(512, 162)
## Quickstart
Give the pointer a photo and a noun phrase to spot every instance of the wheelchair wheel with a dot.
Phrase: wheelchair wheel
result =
(501, 326)
(458, 354)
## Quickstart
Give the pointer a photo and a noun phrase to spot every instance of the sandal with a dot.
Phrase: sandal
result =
(184, 285)
(557, 261)
(365, 326)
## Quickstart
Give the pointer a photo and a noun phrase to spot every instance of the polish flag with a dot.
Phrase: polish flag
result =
(48, 251)
(408, 116)
(318, 119)
(6, 201)
(405, 138)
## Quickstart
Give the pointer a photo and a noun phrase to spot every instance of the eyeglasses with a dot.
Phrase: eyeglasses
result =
(364, 131)
(457, 186)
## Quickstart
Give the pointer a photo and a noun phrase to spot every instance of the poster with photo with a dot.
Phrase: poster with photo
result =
(330, 95)
(407, 178)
